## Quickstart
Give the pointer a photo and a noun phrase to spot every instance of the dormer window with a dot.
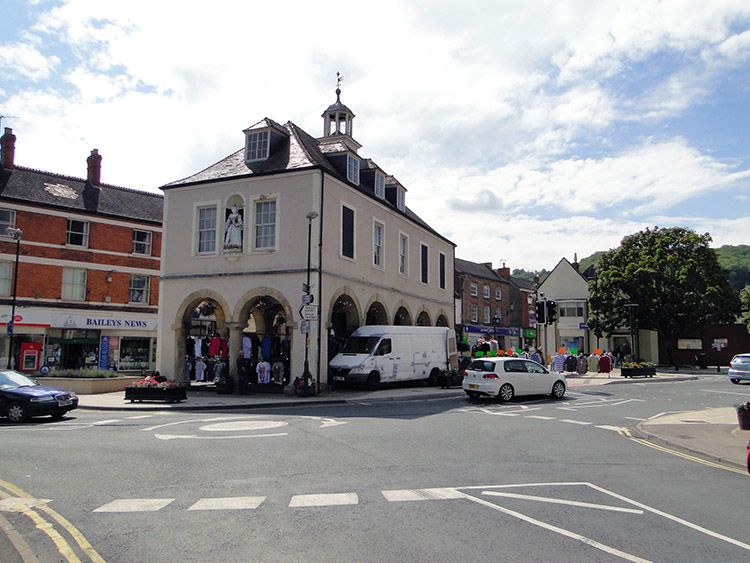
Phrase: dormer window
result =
(400, 199)
(352, 169)
(257, 146)
(379, 185)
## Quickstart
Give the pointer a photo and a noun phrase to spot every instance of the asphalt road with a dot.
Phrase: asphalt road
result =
(424, 480)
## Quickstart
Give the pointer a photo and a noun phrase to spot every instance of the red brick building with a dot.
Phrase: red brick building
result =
(86, 293)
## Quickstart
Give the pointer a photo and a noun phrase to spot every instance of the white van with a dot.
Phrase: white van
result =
(386, 353)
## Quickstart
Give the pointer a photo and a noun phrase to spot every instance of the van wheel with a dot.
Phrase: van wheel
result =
(432, 381)
(373, 381)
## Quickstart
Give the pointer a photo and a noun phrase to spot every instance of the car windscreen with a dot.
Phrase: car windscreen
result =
(741, 360)
(11, 380)
(360, 344)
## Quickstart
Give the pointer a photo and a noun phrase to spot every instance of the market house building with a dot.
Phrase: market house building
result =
(243, 236)
(88, 265)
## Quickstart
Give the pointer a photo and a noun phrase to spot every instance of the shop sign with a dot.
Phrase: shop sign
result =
(82, 321)
(104, 352)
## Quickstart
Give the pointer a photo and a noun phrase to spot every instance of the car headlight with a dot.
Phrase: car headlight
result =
(47, 399)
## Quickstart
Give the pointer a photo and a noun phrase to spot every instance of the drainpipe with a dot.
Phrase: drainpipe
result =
(320, 277)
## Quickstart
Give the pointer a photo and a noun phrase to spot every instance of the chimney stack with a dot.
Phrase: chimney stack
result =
(8, 149)
(504, 272)
(575, 262)
(95, 168)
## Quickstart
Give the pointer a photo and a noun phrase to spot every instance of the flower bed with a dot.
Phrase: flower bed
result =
(155, 389)
(638, 369)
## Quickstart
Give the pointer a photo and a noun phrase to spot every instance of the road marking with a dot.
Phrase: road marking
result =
(563, 501)
(576, 422)
(540, 417)
(194, 437)
(16, 504)
(421, 494)
(135, 505)
(242, 425)
(103, 422)
(139, 416)
(334, 499)
(588, 541)
(685, 456)
(228, 503)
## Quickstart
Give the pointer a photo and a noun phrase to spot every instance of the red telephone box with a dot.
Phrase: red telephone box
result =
(31, 353)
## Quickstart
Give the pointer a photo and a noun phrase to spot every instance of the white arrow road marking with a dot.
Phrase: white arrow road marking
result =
(228, 503)
(135, 505)
(563, 501)
(331, 422)
(194, 437)
(557, 529)
(335, 499)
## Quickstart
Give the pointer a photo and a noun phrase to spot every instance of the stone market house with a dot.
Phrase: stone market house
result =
(88, 265)
(244, 236)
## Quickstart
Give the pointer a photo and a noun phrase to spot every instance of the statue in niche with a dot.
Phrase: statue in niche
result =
(233, 238)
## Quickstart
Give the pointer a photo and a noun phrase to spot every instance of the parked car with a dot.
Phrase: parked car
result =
(506, 378)
(22, 397)
(739, 368)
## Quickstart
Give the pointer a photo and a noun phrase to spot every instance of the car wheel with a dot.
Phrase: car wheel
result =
(16, 412)
(373, 381)
(472, 394)
(59, 415)
(432, 381)
(506, 392)
(558, 390)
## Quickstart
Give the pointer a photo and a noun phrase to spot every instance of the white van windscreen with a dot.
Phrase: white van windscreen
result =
(360, 344)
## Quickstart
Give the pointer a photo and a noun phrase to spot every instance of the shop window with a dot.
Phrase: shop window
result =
(142, 242)
(6, 277)
(74, 284)
(134, 353)
(139, 289)
(78, 233)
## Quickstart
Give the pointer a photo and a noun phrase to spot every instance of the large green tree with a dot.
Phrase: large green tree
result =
(673, 277)
(745, 304)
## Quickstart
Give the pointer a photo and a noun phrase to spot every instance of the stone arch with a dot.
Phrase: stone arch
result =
(442, 319)
(184, 324)
(344, 319)
(376, 313)
(423, 319)
(247, 305)
(402, 316)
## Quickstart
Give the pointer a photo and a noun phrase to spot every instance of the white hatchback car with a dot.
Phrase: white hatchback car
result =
(505, 378)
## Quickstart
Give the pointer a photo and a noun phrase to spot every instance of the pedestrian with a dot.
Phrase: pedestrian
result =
(535, 356)
(242, 378)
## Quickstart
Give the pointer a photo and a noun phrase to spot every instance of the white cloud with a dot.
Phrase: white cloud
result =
(25, 60)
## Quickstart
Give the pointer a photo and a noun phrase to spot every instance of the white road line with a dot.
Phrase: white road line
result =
(333, 499)
(102, 422)
(228, 503)
(139, 416)
(563, 501)
(135, 505)
(576, 422)
(561, 531)
(421, 494)
(539, 417)
(194, 437)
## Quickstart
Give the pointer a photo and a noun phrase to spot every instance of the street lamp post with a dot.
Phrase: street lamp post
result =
(306, 375)
(16, 234)
(633, 336)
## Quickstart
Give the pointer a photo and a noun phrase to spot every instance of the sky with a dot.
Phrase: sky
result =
(525, 131)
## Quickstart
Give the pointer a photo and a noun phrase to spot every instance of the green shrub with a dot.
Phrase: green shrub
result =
(82, 373)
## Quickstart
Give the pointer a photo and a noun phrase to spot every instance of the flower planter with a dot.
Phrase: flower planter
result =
(743, 417)
(638, 372)
(168, 394)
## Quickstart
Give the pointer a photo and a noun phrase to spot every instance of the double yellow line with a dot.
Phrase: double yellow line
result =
(37, 512)
(626, 433)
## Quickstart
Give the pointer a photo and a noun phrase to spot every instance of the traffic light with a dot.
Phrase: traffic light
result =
(540, 312)
(551, 312)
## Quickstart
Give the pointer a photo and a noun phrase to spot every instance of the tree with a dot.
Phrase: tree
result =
(672, 276)
(745, 304)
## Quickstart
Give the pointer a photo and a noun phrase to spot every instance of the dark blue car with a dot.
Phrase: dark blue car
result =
(21, 398)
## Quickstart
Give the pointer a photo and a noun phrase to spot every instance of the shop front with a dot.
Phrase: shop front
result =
(506, 338)
(55, 340)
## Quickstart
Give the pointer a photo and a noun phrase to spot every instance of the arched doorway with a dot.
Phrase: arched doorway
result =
(344, 321)
(204, 341)
(266, 343)
(376, 314)
(402, 317)
(423, 319)
(442, 321)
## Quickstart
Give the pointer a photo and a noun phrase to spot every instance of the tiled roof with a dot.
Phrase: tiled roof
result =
(55, 190)
(302, 151)
(524, 284)
(477, 270)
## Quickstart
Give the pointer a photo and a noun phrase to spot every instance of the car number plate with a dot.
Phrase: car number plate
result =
(473, 386)
(65, 403)
(339, 378)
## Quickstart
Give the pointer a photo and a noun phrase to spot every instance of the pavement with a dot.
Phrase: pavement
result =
(711, 434)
